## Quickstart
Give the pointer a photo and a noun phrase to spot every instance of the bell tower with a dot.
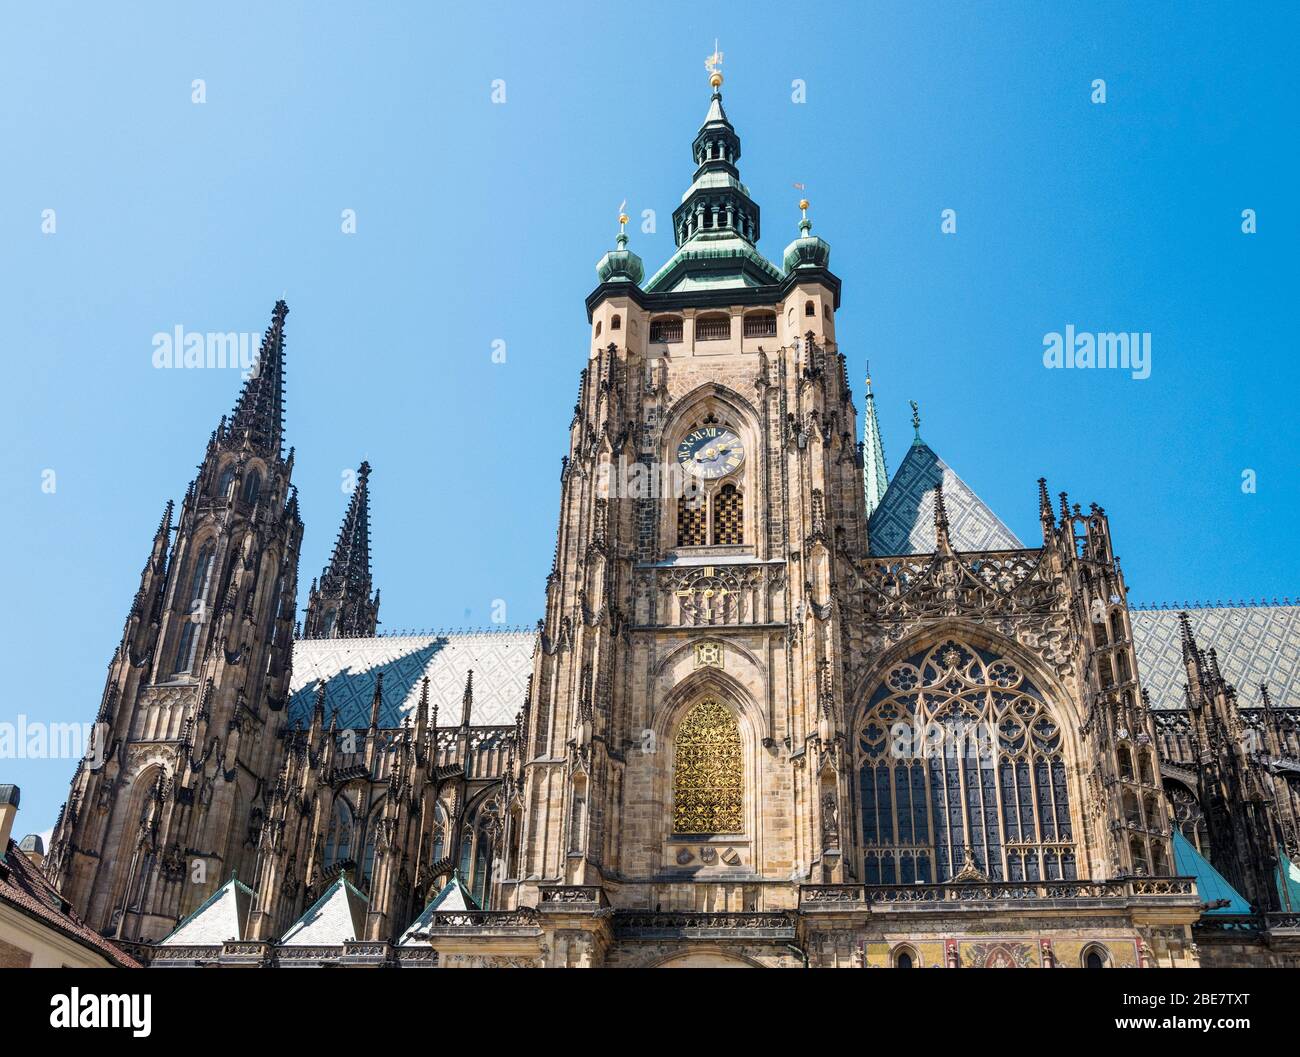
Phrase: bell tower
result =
(684, 741)
(187, 727)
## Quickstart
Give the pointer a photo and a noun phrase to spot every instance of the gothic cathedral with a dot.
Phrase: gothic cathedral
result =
(783, 709)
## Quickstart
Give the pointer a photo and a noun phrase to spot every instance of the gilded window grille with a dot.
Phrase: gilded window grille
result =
(708, 772)
(692, 522)
(728, 516)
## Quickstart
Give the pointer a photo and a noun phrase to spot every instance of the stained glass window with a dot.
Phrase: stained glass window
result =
(200, 575)
(981, 783)
(708, 772)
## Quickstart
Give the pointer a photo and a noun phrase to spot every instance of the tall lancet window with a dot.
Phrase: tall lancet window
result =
(195, 614)
(708, 772)
(368, 853)
(962, 771)
(338, 839)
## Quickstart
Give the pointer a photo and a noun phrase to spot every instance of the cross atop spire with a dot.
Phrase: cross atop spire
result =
(259, 412)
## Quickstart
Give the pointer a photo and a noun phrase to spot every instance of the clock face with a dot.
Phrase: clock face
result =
(710, 452)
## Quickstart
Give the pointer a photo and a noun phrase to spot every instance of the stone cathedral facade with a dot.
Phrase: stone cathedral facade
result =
(783, 709)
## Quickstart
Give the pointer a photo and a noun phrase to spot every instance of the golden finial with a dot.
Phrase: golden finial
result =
(712, 63)
(622, 217)
(803, 201)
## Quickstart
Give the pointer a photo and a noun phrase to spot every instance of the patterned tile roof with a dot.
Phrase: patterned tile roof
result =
(501, 661)
(223, 916)
(903, 523)
(1255, 644)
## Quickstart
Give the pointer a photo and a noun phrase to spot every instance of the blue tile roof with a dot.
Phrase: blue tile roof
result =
(903, 523)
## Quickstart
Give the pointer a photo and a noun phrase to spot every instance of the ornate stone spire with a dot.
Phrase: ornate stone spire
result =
(259, 412)
(342, 606)
(467, 700)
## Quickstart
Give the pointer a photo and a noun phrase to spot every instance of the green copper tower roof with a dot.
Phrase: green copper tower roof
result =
(716, 227)
(621, 265)
(808, 250)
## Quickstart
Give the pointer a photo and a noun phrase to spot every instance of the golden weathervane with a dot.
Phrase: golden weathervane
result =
(712, 63)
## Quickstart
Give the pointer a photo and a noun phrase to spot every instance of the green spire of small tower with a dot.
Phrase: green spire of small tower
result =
(621, 264)
(808, 250)
(875, 476)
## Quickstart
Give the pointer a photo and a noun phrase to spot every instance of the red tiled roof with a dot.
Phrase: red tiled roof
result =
(23, 887)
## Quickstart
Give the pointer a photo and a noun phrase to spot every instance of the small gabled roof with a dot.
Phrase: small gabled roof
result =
(222, 916)
(338, 915)
(1210, 884)
(903, 523)
(454, 896)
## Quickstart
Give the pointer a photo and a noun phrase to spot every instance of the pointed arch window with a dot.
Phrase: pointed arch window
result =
(708, 772)
(194, 615)
(223, 482)
(728, 515)
(338, 839)
(252, 487)
(1188, 817)
(961, 765)
(439, 834)
(482, 866)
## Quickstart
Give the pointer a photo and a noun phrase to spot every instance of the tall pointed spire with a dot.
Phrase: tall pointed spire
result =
(342, 606)
(875, 475)
(259, 412)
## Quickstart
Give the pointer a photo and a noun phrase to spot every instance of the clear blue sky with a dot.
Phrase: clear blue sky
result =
(478, 222)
